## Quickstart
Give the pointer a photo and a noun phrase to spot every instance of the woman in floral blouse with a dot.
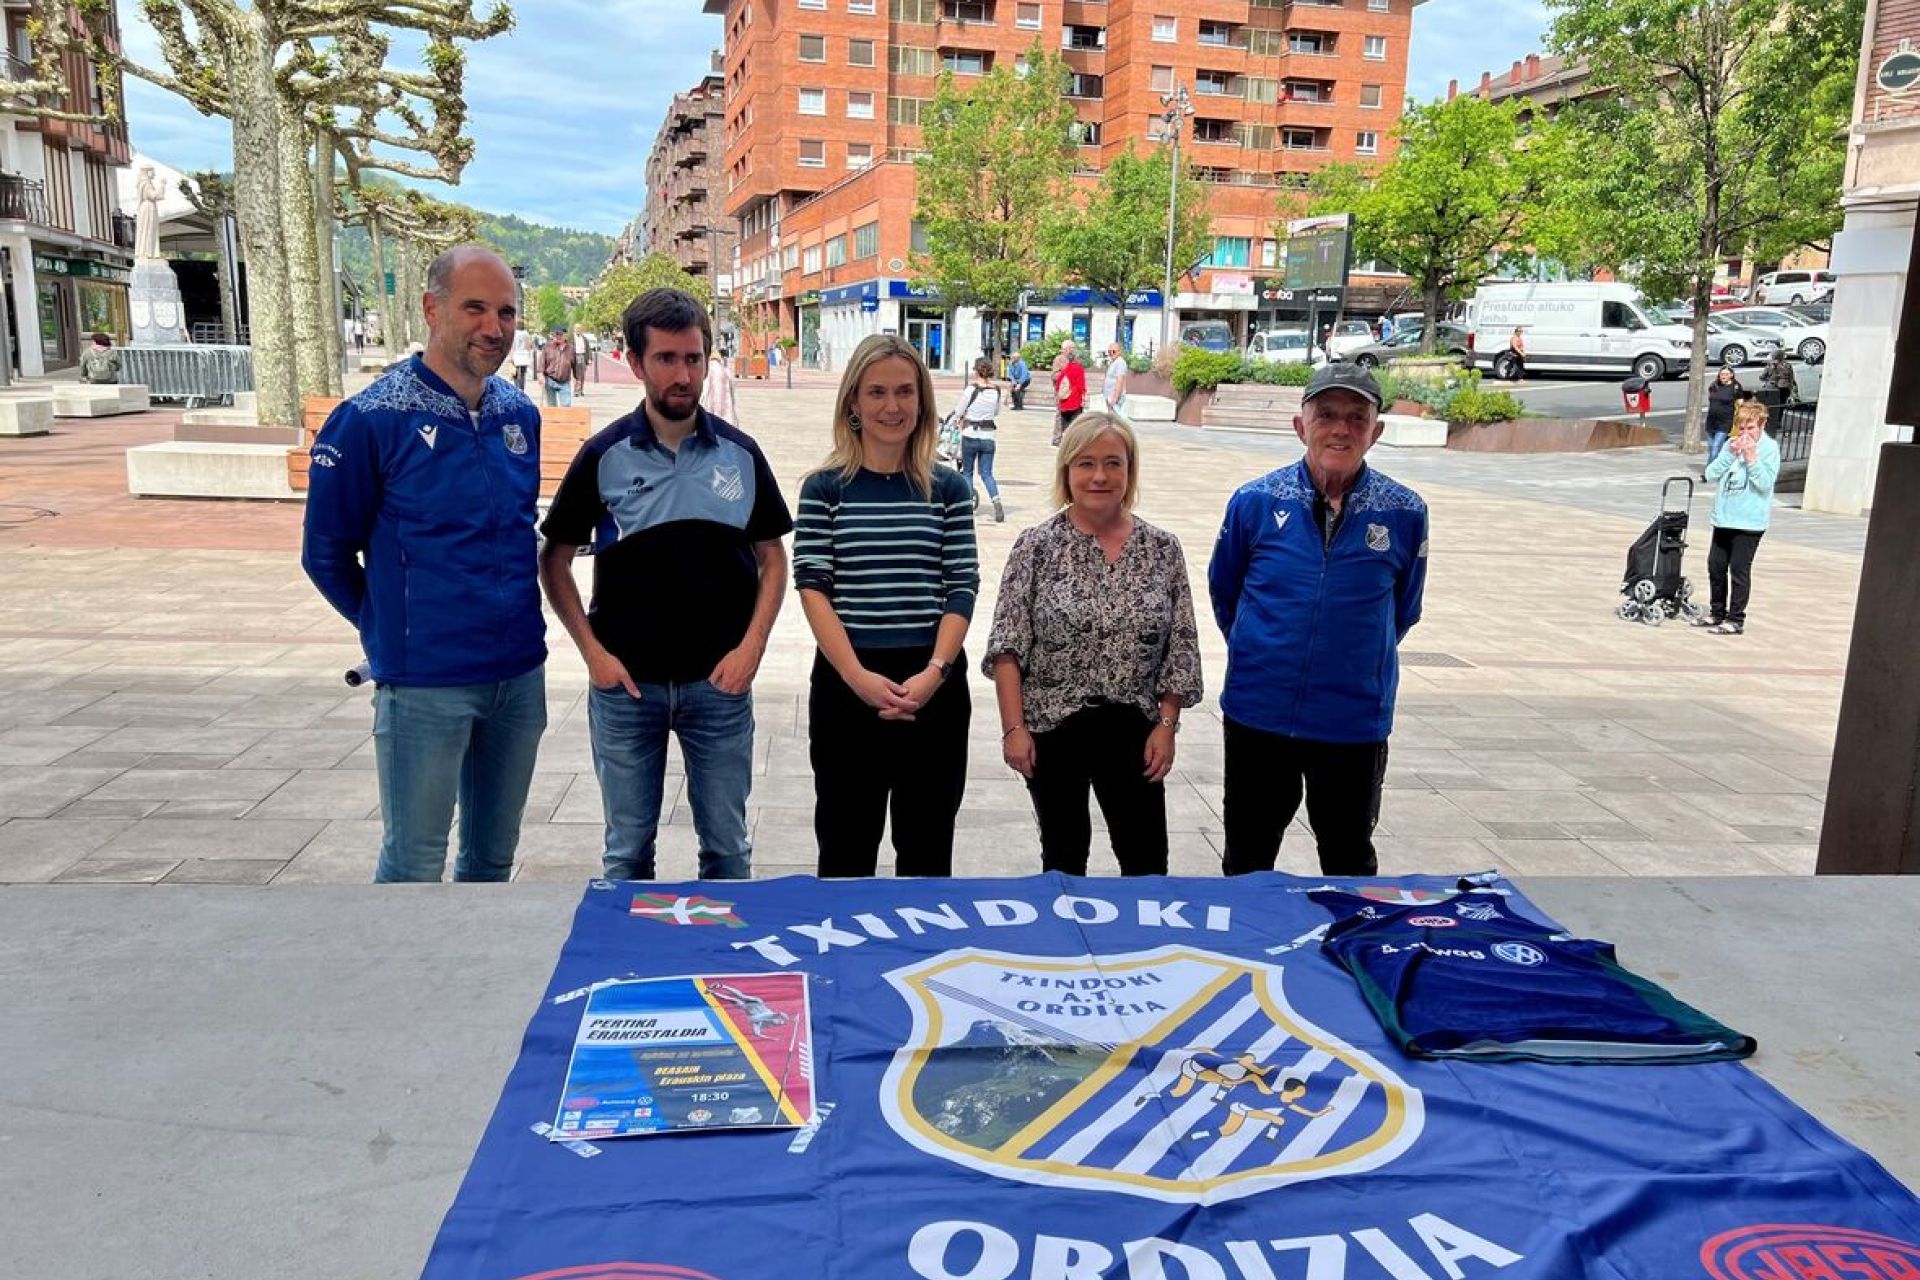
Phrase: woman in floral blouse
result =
(1093, 655)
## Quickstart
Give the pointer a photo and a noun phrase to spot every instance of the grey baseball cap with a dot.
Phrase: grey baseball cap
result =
(1343, 375)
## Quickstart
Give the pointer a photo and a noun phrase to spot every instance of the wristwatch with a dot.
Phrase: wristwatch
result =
(1168, 722)
(946, 668)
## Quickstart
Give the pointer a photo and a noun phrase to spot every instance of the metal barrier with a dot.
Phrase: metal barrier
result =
(196, 374)
(1791, 426)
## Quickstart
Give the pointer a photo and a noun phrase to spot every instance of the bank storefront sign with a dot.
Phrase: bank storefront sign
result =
(47, 264)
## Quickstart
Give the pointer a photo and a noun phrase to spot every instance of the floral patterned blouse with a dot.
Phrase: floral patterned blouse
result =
(1086, 631)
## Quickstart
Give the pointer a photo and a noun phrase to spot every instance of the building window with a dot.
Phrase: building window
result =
(967, 62)
(859, 6)
(1297, 139)
(1269, 253)
(1166, 29)
(1219, 34)
(810, 260)
(805, 4)
(1380, 6)
(866, 240)
(1309, 42)
(1260, 89)
(859, 155)
(911, 10)
(1263, 43)
(1369, 95)
(906, 60)
(859, 53)
(837, 251)
(1230, 251)
(1086, 132)
(917, 236)
(1367, 142)
(1376, 48)
(859, 106)
(904, 110)
(813, 102)
(1256, 137)
(791, 259)
(813, 153)
(1081, 84)
(1027, 15)
(813, 48)
(1077, 37)
(1160, 80)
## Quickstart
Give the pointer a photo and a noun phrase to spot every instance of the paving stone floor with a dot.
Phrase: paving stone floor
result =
(171, 708)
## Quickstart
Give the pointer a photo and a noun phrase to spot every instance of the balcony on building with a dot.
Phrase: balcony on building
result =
(1215, 34)
(1313, 93)
(967, 62)
(1216, 131)
(965, 13)
(1299, 139)
(1083, 38)
(23, 199)
(1218, 84)
(1084, 84)
(1312, 44)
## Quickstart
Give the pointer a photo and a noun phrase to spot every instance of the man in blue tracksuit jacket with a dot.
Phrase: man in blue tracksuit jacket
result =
(1317, 575)
(419, 530)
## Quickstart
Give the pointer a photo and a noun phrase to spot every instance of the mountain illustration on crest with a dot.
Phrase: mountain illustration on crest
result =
(990, 1083)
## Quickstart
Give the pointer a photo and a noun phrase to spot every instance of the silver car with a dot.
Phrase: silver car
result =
(1732, 345)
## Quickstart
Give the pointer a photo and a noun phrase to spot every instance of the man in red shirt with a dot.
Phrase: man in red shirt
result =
(1069, 389)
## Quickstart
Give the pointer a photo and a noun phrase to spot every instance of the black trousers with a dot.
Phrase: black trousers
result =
(1266, 773)
(1103, 747)
(1732, 555)
(865, 768)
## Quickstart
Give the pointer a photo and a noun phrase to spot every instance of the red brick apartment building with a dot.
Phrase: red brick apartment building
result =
(823, 101)
(683, 219)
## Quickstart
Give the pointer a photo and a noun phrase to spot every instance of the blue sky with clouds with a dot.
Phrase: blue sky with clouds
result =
(564, 107)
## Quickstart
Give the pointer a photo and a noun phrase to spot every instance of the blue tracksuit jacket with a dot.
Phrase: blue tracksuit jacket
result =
(1313, 631)
(419, 528)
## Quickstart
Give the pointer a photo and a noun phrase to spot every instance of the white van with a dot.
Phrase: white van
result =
(1582, 327)
(1791, 288)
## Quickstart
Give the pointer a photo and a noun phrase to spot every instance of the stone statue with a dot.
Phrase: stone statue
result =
(146, 223)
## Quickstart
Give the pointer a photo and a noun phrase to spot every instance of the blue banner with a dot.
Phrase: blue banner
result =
(1153, 1079)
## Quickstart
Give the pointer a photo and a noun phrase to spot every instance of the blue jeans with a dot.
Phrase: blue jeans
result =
(1716, 441)
(980, 452)
(473, 742)
(559, 394)
(630, 759)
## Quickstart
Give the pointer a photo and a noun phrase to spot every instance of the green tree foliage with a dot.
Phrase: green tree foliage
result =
(550, 254)
(1721, 134)
(614, 291)
(997, 160)
(1469, 178)
(1118, 242)
(549, 307)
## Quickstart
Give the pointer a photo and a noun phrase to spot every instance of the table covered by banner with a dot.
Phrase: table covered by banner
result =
(1070, 1079)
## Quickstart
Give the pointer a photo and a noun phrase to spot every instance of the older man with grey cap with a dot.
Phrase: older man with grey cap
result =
(1317, 575)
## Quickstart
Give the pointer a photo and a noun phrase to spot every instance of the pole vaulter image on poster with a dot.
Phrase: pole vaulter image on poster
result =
(1057, 1078)
(663, 1054)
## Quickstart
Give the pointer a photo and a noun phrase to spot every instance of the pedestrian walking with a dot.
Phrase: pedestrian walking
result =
(1777, 380)
(1743, 477)
(1517, 354)
(1113, 389)
(521, 355)
(716, 391)
(1316, 577)
(582, 356)
(1093, 655)
(887, 570)
(686, 521)
(1723, 393)
(977, 419)
(1069, 389)
(556, 368)
(419, 530)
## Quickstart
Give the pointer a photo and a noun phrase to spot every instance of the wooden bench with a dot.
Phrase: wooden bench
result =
(562, 432)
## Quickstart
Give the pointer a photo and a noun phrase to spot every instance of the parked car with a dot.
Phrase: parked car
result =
(1805, 338)
(1818, 312)
(1793, 287)
(1449, 340)
(1731, 345)
(1577, 327)
(1283, 346)
(1348, 337)
(1208, 335)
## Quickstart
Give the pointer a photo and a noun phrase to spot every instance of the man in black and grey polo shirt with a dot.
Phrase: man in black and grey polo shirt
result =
(685, 520)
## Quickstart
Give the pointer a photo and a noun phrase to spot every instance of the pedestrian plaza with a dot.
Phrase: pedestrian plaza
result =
(172, 708)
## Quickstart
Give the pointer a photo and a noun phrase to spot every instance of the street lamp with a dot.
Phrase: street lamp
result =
(1178, 106)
